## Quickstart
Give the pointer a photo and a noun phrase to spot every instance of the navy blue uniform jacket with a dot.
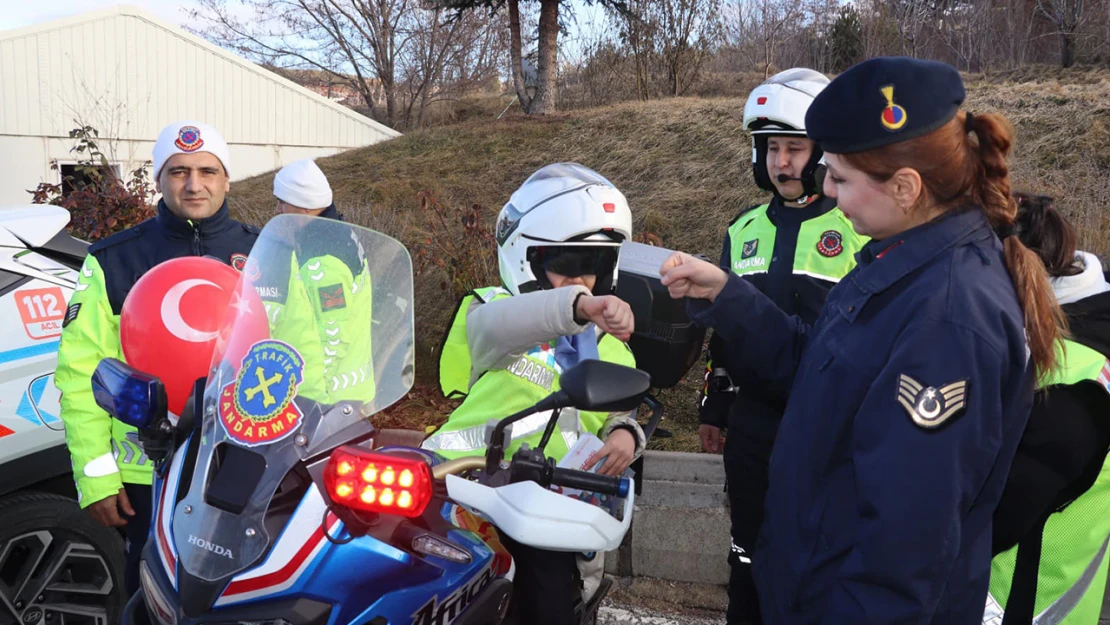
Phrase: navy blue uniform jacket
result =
(907, 399)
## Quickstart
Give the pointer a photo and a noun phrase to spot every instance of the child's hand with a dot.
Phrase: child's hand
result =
(620, 447)
(609, 312)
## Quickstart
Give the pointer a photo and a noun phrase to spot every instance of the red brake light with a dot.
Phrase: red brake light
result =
(376, 482)
(609, 207)
(761, 100)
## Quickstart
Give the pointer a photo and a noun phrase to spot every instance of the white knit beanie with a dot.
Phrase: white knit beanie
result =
(187, 137)
(303, 185)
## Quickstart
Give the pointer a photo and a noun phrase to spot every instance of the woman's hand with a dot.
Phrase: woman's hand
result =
(620, 447)
(686, 276)
(609, 312)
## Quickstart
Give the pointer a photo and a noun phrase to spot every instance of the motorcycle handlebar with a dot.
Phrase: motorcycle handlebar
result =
(547, 474)
(582, 480)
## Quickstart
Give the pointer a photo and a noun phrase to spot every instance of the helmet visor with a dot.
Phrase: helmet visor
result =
(574, 261)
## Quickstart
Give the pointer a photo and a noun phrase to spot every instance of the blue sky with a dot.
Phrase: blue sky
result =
(19, 14)
(590, 19)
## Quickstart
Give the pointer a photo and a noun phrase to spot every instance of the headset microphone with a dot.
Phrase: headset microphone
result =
(785, 178)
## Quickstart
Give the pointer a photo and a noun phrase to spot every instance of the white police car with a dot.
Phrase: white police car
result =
(56, 564)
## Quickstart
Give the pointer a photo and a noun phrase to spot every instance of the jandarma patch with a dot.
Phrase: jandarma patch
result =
(188, 139)
(830, 244)
(258, 408)
(238, 261)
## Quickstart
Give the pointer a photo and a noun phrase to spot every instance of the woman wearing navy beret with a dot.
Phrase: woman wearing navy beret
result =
(907, 397)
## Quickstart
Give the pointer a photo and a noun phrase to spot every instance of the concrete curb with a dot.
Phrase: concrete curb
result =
(677, 466)
(680, 528)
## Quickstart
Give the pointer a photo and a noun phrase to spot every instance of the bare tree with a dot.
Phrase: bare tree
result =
(357, 41)
(1013, 26)
(1067, 16)
(542, 101)
(760, 28)
(638, 29)
(964, 28)
(397, 54)
(688, 32)
(450, 55)
(879, 34)
(911, 17)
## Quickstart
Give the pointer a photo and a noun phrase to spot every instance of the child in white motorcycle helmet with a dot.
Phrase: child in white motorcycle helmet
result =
(558, 241)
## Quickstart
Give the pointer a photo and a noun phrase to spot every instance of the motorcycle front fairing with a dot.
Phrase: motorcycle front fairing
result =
(241, 531)
(308, 580)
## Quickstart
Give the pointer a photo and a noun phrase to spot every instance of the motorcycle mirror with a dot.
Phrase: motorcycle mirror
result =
(136, 398)
(602, 386)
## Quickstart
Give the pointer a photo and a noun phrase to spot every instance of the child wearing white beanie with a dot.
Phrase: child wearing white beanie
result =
(303, 186)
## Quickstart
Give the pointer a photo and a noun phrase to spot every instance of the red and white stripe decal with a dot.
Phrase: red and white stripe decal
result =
(158, 602)
(1104, 376)
(165, 516)
(297, 547)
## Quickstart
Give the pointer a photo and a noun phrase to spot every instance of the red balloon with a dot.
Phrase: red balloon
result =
(246, 324)
(171, 319)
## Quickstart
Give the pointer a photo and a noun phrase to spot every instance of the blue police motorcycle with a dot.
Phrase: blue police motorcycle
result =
(275, 502)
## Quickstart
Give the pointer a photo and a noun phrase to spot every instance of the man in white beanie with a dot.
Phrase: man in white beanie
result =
(334, 279)
(113, 476)
(301, 188)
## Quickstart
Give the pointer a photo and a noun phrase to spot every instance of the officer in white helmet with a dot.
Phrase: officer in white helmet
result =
(558, 240)
(794, 248)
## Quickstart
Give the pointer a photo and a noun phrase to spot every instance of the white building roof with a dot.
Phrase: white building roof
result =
(128, 73)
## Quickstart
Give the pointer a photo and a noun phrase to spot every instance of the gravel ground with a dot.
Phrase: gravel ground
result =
(646, 601)
(630, 615)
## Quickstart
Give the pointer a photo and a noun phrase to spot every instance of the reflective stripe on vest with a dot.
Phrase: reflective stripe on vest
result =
(826, 248)
(1071, 576)
(454, 354)
(476, 438)
(128, 451)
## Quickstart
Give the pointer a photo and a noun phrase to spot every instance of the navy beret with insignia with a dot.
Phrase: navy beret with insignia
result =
(882, 101)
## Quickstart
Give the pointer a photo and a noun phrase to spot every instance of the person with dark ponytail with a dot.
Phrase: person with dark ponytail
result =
(906, 399)
(1052, 525)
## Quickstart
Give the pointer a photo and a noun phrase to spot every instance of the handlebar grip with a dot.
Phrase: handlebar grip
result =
(605, 484)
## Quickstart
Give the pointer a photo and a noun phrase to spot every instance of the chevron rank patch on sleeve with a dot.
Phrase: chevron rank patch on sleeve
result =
(930, 407)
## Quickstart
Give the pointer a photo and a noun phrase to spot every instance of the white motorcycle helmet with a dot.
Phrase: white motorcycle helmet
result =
(568, 219)
(778, 107)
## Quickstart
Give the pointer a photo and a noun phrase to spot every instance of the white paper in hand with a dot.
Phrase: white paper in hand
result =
(576, 459)
(644, 260)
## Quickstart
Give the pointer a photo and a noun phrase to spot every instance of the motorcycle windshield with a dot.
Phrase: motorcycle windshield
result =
(318, 337)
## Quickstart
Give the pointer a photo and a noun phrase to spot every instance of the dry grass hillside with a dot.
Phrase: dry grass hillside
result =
(684, 166)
